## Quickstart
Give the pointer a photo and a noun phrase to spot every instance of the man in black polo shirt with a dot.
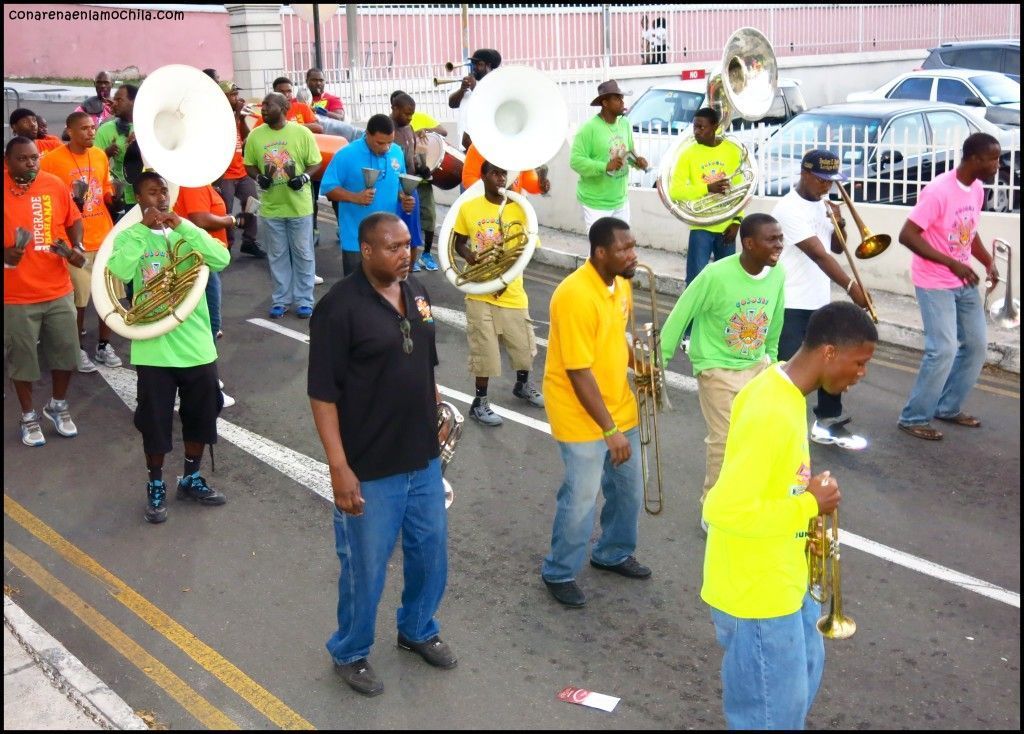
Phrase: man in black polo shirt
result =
(374, 400)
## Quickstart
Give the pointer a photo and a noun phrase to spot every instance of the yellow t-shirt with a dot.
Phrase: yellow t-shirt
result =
(700, 165)
(422, 121)
(478, 220)
(759, 509)
(588, 330)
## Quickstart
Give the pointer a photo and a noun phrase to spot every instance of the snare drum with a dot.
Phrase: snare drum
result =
(444, 161)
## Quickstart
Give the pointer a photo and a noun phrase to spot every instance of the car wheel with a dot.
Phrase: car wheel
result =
(997, 198)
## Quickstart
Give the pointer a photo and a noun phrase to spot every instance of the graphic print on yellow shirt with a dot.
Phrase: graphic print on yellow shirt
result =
(478, 221)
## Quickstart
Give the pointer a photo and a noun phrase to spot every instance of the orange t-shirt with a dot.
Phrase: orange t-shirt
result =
(236, 169)
(50, 142)
(202, 199)
(46, 210)
(527, 180)
(94, 168)
(299, 112)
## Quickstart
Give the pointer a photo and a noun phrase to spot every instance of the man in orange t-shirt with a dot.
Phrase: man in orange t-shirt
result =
(40, 221)
(85, 170)
(236, 182)
(25, 122)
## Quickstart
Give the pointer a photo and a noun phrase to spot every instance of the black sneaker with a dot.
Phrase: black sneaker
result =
(630, 568)
(434, 651)
(566, 592)
(194, 487)
(156, 507)
(360, 677)
(253, 249)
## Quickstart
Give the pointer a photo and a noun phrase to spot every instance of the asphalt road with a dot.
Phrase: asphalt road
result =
(256, 580)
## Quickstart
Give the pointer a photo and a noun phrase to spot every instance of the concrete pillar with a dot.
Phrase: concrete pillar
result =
(257, 45)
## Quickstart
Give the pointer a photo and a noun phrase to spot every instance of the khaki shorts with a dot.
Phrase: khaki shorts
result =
(486, 326)
(52, 324)
(81, 279)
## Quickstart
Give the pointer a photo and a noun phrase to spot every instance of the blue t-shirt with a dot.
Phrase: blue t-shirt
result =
(346, 170)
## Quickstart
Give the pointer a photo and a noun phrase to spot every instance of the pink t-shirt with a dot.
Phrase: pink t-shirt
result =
(948, 214)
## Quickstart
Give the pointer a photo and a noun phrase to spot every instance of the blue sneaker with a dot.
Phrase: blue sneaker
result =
(194, 487)
(277, 312)
(156, 506)
(428, 261)
(304, 312)
(417, 266)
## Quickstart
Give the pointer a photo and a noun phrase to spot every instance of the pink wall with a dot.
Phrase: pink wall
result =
(80, 48)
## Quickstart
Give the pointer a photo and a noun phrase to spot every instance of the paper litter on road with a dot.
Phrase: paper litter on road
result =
(572, 694)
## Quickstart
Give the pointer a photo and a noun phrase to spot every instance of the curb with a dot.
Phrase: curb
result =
(69, 674)
(1000, 356)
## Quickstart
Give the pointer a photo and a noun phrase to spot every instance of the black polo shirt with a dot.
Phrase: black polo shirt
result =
(386, 402)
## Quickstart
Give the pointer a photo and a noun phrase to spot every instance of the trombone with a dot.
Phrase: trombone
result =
(650, 391)
(824, 581)
(871, 245)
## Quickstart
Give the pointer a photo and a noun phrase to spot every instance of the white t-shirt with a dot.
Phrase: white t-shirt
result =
(807, 286)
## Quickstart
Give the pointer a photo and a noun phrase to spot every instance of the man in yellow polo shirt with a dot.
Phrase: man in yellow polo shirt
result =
(758, 513)
(593, 415)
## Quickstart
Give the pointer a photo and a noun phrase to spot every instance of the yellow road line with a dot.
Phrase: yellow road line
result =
(156, 671)
(260, 698)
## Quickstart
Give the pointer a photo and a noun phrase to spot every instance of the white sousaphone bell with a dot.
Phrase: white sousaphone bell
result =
(518, 120)
(185, 130)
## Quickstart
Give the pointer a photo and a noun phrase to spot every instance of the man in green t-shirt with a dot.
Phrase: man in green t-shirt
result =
(281, 156)
(115, 136)
(600, 151)
(709, 166)
(736, 308)
(184, 360)
(759, 514)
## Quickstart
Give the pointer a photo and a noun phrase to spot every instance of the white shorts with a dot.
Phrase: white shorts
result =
(592, 215)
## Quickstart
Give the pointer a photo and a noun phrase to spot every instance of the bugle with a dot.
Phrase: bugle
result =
(439, 82)
(650, 392)
(870, 246)
(823, 576)
(1004, 313)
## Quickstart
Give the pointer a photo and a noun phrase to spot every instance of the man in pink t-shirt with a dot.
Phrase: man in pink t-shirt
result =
(942, 232)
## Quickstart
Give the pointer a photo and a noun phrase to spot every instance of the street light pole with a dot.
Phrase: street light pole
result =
(317, 53)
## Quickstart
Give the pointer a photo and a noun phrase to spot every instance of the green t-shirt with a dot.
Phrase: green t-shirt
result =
(737, 317)
(140, 253)
(700, 165)
(105, 135)
(595, 144)
(293, 143)
(759, 510)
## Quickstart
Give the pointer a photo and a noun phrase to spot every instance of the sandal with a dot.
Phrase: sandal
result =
(926, 432)
(961, 419)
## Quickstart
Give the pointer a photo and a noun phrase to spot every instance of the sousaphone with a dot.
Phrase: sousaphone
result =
(185, 130)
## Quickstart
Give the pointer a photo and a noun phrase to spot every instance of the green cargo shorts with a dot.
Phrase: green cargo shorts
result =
(49, 328)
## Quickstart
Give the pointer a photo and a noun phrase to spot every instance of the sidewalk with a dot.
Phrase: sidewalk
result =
(46, 687)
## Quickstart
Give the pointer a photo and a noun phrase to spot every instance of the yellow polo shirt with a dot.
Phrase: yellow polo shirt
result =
(588, 330)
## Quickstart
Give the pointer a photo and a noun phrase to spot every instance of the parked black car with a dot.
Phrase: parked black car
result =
(888, 148)
(1001, 56)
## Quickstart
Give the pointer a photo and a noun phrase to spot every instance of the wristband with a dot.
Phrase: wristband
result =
(850, 285)
(611, 431)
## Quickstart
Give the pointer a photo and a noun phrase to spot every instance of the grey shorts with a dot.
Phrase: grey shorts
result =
(49, 328)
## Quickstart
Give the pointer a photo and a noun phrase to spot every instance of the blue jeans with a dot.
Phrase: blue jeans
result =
(289, 242)
(771, 669)
(703, 245)
(588, 468)
(954, 353)
(413, 503)
(213, 301)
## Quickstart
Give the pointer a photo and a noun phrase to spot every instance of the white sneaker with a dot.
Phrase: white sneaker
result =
(84, 363)
(31, 431)
(833, 431)
(317, 280)
(57, 412)
(228, 400)
(107, 356)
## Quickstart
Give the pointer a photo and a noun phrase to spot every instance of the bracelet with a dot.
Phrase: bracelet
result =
(850, 284)
(611, 431)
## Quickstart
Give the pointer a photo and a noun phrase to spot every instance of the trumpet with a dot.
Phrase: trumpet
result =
(650, 392)
(439, 82)
(871, 245)
(824, 581)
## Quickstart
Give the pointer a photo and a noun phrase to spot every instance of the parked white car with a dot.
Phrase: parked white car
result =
(666, 110)
(983, 94)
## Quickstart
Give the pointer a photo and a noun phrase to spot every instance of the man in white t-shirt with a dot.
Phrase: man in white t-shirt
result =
(809, 268)
(482, 62)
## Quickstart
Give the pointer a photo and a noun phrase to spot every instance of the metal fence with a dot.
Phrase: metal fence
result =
(404, 46)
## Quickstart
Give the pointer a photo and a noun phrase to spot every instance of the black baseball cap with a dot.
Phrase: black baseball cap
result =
(822, 163)
(488, 55)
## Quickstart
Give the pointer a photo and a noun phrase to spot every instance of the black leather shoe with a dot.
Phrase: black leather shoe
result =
(434, 651)
(566, 592)
(251, 248)
(629, 568)
(360, 677)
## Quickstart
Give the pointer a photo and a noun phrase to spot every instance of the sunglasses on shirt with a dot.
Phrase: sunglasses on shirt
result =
(406, 328)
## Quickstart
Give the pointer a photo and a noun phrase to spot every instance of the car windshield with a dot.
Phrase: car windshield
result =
(997, 88)
(831, 132)
(664, 109)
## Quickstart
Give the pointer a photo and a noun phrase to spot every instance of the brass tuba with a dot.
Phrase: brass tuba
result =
(185, 129)
(824, 581)
(745, 86)
(518, 120)
(449, 430)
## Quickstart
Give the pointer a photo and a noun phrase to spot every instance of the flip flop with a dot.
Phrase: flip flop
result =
(961, 419)
(926, 432)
